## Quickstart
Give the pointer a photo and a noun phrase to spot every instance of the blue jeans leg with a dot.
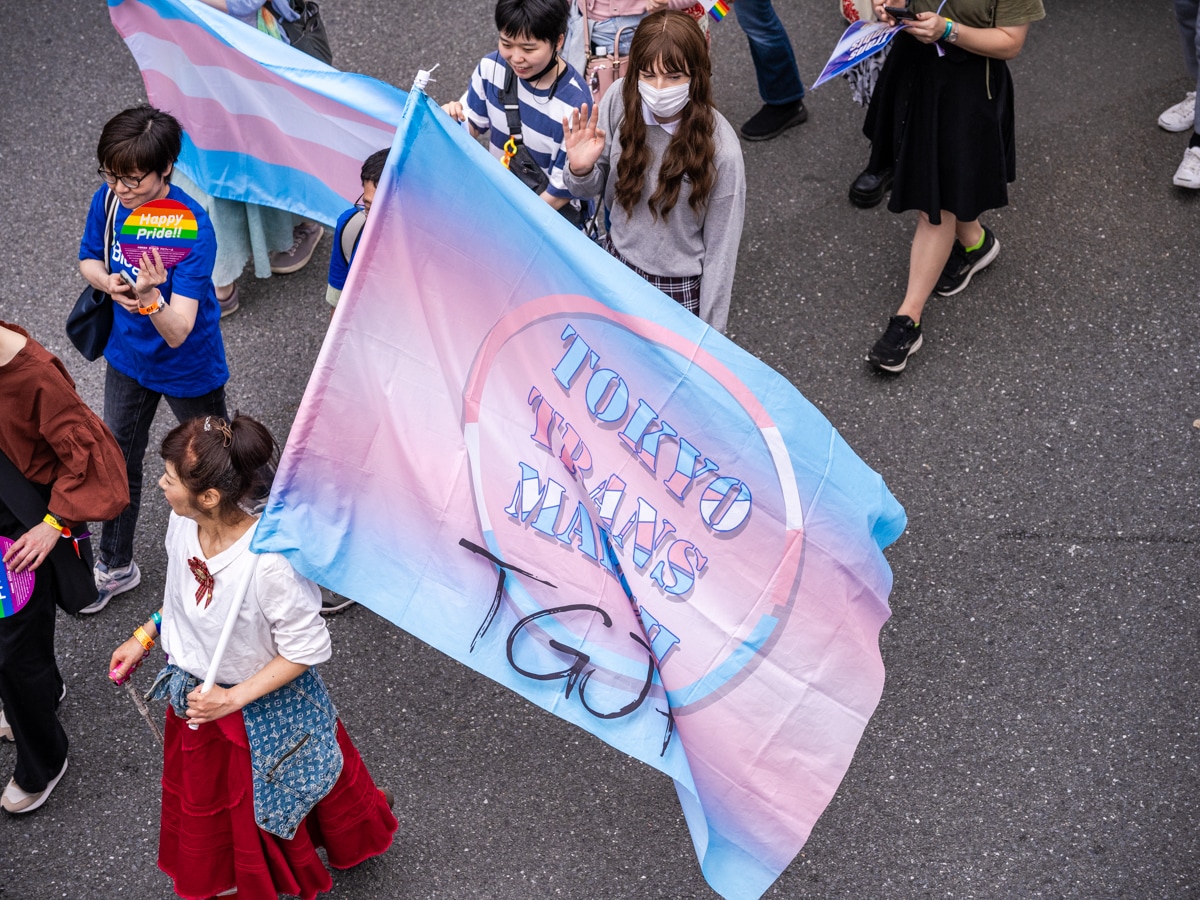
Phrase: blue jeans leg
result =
(771, 49)
(129, 412)
(1185, 15)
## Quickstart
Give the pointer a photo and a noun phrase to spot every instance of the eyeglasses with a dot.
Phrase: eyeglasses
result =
(361, 205)
(131, 182)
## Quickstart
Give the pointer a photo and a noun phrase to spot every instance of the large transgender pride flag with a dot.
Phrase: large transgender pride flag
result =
(516, 449)
(263, 122)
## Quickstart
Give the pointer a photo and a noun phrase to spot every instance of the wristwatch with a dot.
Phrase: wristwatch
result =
(953, 38)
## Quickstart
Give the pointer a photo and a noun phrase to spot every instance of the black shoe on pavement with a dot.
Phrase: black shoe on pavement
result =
(773, 120)
(964, 263)
(901, 340)
(869, 187)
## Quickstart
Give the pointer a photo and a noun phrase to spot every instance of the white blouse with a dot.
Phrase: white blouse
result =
(281, 615)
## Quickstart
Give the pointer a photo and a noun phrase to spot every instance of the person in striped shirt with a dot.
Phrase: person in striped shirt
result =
(547, 89)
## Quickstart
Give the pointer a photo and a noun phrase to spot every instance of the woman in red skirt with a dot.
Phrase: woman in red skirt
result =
(258, 771)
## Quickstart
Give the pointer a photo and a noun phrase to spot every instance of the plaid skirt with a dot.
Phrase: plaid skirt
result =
(683, 290)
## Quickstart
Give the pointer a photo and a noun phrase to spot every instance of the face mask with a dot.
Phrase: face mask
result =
(668, 101)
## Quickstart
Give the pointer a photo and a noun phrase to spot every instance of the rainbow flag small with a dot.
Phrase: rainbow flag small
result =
(719, 10)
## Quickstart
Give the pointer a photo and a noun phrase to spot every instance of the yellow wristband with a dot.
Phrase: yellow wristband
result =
(53, 522)
(143, 638)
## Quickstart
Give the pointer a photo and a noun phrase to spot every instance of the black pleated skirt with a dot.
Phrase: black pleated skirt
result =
(945, 126)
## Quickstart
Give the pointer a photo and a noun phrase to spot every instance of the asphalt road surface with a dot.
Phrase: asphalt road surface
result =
(1037, 735)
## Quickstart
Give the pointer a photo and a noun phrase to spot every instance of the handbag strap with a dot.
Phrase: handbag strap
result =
(587, 37)
(110, 227)
(512, 107)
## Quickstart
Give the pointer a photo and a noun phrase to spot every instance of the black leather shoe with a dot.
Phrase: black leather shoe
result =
(869, 187)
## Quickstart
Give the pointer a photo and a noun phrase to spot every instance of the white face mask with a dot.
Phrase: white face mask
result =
(668, 101)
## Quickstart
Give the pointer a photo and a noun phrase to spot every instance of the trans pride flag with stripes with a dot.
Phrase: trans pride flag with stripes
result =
(263, 122)
(517, 450)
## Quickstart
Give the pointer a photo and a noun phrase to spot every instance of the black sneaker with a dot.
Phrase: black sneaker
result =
(901, 340)
(334, 603)
(964, 263)
(773, 120)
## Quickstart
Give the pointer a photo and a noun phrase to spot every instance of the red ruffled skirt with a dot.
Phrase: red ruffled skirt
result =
(209, 841)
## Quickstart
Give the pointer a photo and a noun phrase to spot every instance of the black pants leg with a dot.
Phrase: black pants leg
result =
(30, 683)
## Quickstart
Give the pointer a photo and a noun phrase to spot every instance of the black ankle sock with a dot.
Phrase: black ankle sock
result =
(1195, 141)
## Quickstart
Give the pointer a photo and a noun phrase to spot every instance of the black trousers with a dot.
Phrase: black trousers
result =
(30, 683)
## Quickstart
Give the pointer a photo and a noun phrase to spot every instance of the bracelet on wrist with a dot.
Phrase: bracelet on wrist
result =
(949, 30)
(156, 618)
(58, 525)
(154, 307)
(142, 637)
(953, 39)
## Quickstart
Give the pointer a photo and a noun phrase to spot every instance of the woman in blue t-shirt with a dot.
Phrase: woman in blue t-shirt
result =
(166, 337)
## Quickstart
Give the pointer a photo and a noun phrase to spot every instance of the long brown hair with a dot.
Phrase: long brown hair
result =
(674, 40)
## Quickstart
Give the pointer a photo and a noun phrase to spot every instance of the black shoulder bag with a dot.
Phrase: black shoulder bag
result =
(307, 33)
(73, 580)
(90, 321)
(520, 161)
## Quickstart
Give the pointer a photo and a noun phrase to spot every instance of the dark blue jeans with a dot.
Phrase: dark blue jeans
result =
(771, 49)
(129, 412)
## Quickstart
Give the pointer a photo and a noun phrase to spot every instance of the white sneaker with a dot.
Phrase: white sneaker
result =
(110, 582)
(1181, 116)
(1188, 173)
(16, 801)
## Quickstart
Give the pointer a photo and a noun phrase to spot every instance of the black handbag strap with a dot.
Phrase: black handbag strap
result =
(512, 108)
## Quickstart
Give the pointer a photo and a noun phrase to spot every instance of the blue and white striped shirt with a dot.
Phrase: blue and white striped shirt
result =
(541, 115)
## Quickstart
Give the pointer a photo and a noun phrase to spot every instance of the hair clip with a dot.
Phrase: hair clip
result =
(223, 427)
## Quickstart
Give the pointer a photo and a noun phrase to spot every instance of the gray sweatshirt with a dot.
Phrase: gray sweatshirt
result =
(686, 244)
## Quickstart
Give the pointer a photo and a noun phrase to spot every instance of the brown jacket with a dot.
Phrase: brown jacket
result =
(54, 439)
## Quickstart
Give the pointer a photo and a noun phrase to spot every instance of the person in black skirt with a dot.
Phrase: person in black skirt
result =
(942, 118)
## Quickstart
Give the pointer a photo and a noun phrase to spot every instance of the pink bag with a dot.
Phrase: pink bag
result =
(602, 69)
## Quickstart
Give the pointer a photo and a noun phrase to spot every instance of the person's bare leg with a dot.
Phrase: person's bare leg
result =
(930, 250)
(970, 233)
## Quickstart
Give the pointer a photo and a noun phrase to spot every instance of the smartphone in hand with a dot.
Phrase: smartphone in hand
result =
(899, 12)
(127, 278)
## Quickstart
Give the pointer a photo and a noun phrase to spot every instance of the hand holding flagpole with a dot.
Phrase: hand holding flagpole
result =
(226, 632)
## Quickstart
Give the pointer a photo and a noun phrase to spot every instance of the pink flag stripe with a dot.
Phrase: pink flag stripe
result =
(212, 128)
(202, 48)
(294, 114)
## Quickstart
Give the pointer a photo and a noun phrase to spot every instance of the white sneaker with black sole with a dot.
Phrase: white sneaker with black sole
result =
(110, 582)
